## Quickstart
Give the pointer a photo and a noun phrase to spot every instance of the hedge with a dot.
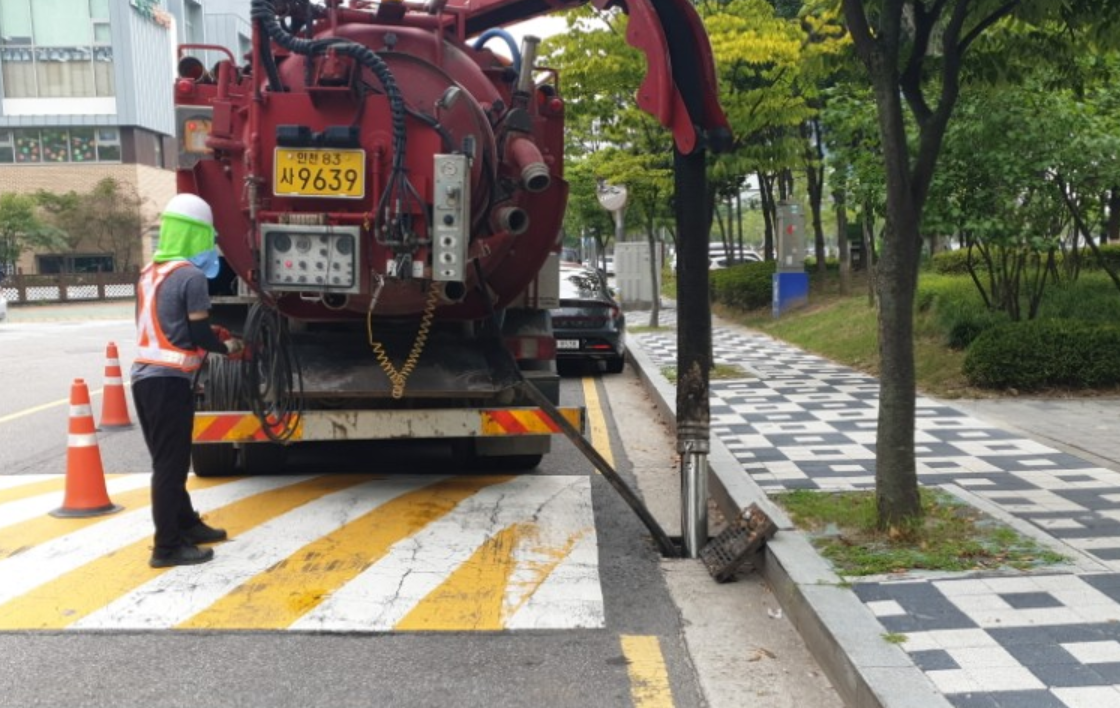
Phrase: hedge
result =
(748, 285)
(1045, 353)
(956, 262)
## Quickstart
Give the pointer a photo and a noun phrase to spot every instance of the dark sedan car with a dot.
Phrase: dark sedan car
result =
(589, 325)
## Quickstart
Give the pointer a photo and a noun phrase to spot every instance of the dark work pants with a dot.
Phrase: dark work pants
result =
(165, 407)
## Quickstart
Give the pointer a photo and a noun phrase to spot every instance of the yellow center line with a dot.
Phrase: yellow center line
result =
(597, 421)
(76, 594)
(649, 679)
(47, 406)
(472, 597)
(279, 596)
(34, 532)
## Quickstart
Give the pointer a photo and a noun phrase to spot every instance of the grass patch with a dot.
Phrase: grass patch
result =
(952, 536)
(718, 372)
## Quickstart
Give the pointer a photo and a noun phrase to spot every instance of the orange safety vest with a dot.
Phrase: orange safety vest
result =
(152, 344)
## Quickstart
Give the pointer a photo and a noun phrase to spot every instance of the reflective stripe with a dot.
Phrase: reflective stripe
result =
(88, 440)
(114, 381)
(82, 410)
(155, 355)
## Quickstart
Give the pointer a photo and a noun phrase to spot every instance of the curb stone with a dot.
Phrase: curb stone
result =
(840, 631)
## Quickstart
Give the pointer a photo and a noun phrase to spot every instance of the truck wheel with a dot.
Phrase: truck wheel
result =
(263, 458)
(214, 460)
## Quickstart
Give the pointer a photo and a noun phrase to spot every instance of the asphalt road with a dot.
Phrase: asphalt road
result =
(668, 636)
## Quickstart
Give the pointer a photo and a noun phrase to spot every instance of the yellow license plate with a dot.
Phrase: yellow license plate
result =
(319, 173)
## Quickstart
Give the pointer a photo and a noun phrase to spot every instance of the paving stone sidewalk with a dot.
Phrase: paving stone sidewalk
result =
(1046, 639)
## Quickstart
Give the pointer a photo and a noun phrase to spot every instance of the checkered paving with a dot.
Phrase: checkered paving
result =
(797, 421)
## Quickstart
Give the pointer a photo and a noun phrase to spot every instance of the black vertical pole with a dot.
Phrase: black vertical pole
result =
(694, 345)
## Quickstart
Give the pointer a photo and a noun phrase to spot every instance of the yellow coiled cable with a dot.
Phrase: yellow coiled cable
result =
(399, 377)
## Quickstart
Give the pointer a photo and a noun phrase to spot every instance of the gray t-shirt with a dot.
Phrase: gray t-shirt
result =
(183, 291)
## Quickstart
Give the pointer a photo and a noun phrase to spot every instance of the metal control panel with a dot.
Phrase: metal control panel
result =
(451, 217)
(310, 258)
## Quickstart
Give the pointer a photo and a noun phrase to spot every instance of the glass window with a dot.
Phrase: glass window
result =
(15, 21)
(56, 147)
(27, 145)
(101, 33)
(61, 23)
(99, 9)
(64, 72)
(7, 150)
(83, 145)
(108, 145)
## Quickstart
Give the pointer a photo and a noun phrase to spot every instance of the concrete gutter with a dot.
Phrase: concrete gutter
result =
(840, 631)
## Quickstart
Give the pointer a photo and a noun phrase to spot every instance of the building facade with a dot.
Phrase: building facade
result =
(85, 93)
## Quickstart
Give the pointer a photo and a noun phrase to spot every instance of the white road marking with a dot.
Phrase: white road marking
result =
(34, 507)
(41, 564)
(185, 591)
(385, 593)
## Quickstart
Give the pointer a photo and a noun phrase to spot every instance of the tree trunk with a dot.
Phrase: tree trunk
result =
(814, 179)
(867, 233)
(896, 276)
(842, 241)
(766, 197)
(654, 270)
(1112, 229)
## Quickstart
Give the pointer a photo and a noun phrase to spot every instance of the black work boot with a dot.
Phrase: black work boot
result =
(201, 533)
(183, 555)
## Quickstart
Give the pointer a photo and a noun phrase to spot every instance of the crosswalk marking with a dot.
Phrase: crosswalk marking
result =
(280, 595)
(482, 578)
(324, 553)
(23, 507)
(30, 527)
(73, 596)
(268, 535)
(380, 597)
(38, 565)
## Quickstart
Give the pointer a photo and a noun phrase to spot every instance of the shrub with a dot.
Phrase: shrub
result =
(748, 285)
(1045, 353)
(956, 307)
(953, 262)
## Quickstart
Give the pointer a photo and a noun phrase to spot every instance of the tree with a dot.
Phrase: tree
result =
(21, 230)
(913, 51)
(109, 217)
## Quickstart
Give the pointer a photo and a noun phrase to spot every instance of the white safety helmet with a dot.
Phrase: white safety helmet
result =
(191, 206)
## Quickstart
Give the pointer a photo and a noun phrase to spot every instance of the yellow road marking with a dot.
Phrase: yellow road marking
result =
(471, 598)
(278, 597)
(46, 406)
(649, 680)
(80, 592)
(543, 570)
(33, 532)
(597, 421)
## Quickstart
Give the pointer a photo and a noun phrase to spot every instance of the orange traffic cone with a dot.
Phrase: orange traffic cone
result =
(85, 479)
(114, 407)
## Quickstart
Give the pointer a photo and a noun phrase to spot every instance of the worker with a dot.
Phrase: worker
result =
(173, 335)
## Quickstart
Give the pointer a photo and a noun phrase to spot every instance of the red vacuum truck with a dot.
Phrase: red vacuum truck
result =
(388, 194)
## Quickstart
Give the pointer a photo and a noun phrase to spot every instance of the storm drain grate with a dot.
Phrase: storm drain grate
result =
(737, 544)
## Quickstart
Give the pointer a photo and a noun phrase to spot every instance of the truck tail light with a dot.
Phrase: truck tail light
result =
(524, 348)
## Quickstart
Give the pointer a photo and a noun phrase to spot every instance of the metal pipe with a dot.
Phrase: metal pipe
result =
(528, 58)
(511, 219)
(694, 498)
(525, 155)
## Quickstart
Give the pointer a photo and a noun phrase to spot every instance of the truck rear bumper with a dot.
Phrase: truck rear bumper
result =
(244, 427)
